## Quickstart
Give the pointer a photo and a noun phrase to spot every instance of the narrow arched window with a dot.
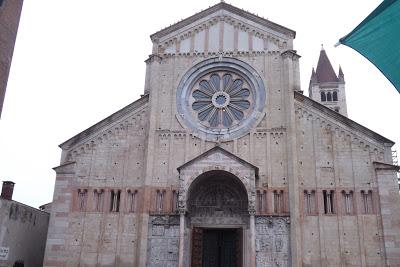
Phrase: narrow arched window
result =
(329, 96)
(335, 98)
(323, 97)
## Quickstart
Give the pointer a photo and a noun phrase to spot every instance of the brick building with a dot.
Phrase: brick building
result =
(10, 11)
(224, 162)
(23, 231)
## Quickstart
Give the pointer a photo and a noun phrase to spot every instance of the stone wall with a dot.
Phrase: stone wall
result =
(332, 157)
(84, 229)
(163, 241)
(23, 232)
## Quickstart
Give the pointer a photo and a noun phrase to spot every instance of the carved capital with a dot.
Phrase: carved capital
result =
(252, 211)
(181, 205)
(291, 54)
(152, 58)
(182, 211)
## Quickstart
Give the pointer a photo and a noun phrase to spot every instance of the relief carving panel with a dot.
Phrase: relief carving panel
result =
(218, 200)
(272, 241)
(163, 241)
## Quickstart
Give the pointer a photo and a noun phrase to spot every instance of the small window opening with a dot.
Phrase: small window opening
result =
(278, 201)
(174, 201)
(261, 201)
(335, 96)
(348, 202)
(98, 200)
(329, 202)
(329, 96)
(115, 200)
(132, 196)
(323, 97)
(160, 200)
(82, 199)
(309, 202)
(367, 201)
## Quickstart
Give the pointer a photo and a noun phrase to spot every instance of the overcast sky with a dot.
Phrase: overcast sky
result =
(78, 61)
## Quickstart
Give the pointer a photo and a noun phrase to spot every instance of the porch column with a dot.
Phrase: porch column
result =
(252, 240)
(181, 236)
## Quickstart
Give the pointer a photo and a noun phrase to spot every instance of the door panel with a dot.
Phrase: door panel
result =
(228, 248)
(211, 249)
(239, 246)
(197, 247)
(219, 248)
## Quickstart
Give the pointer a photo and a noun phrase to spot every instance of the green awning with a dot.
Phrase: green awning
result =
(378, 39)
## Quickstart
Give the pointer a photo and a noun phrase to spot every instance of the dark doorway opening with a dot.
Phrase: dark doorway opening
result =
(217, 247)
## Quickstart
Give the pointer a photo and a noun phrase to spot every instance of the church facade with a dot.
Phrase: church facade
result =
(224, 162)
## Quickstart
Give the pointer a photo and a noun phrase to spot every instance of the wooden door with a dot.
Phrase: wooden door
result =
(228, 253)
(239, 247)
(197, 247)
(219, 248)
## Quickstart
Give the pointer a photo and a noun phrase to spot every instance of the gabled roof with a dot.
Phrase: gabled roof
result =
(325, 72)
(227, 7)
(215, 149)
(342, 119)
(103, 123)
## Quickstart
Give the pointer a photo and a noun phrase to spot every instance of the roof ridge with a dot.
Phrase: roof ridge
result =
(216, 7)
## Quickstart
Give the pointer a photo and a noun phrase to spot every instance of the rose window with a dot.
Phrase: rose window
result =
(221, 99)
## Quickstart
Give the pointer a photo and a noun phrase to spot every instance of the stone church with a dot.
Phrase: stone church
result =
(224, 162)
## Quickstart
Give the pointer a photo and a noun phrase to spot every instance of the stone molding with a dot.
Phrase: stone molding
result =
(223, 6)
(82, 137)
(66, 168)
(380, 166)
(292, 54)
(305, 106)
(111, 127)
(217, 159)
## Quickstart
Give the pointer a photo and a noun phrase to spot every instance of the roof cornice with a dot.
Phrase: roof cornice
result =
(381, 166)
(227, 7)
(343, 119)
(226, 152)
(103, 123)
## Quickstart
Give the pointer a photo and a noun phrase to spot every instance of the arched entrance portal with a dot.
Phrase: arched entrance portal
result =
(217, 211)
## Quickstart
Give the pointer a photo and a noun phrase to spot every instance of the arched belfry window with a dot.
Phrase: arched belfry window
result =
(323, 97)
(329, 96)
(335, 96)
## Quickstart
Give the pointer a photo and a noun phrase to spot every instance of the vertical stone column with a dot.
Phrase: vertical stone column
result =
(290, 84)
(252, 239)
(56, 253)
(181, 237)
(389, 203)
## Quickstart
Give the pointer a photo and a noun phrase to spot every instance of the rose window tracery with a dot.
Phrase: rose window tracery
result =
(221, 99)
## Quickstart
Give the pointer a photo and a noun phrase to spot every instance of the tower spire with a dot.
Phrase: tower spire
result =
(340, 75)
(325, 72)
(326, 87)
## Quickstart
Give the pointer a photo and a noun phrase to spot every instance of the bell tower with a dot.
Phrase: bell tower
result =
(327, 88)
